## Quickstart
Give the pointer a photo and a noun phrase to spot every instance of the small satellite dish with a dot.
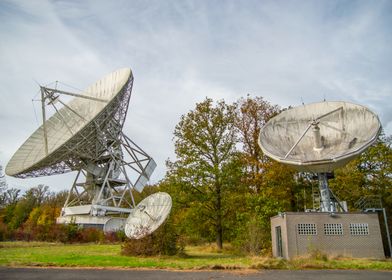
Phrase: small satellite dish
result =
(319, 137)
(148, 215)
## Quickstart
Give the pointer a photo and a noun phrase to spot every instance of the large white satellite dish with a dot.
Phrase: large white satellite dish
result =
(66, 139)
(85, 135)
(320, 137)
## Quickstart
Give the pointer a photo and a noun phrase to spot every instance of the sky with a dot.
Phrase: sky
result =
(180, 52)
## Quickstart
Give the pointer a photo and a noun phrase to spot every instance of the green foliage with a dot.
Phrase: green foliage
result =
(206, 164)
(220, 192)
(222, 185)
(20, 213)
(253, 235)
(369, 174)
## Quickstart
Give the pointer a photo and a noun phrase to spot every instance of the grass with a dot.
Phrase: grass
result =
(198, 257)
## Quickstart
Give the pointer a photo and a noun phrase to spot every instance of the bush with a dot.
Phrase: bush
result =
(5, 233)
(71, 232)
(90, 235)
(58, 233)
(115, 236)
(253, 238)
(164, 241)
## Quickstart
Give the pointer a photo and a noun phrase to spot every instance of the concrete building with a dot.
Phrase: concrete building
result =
(354, 235)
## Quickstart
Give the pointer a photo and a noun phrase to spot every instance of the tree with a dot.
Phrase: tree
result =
(32, 198)
(11, 196)
(205, 146)
(7, 196)
(251, 115)
(38, 194)
(369, 174)
(376, 165)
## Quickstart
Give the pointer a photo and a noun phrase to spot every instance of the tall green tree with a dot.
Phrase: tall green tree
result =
(207, 165)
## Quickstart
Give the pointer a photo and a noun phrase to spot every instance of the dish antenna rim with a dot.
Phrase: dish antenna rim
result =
(328, 163)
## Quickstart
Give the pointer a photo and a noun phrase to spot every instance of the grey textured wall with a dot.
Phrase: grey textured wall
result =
(346, 244)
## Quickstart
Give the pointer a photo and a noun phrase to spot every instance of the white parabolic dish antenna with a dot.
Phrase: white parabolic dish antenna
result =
(85, 135)
(148, 215)
(319, 137)
(67, 138)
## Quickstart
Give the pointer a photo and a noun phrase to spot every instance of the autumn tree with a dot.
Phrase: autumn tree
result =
(32, 198)
(369, 174)
(376, 165)
(251, 115)
(206, 165)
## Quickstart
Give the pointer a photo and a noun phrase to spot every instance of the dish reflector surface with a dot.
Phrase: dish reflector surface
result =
(71, 136)
(148, 215)
(344, 131)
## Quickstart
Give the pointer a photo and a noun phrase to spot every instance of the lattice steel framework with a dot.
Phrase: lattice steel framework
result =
(89, 143)
(107, 179)
(102, 155)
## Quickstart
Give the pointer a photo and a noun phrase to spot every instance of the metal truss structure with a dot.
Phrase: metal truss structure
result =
(86, 135)
(86, 145)
(107, 182)
(99, 153)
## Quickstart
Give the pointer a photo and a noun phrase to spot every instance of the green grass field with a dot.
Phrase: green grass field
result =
(201, 257)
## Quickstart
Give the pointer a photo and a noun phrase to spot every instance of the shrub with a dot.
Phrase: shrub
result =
(90, 235)
(253, 238)
(163, 241)
(115, 236)
(71, 232)
(58, 233)
(5, 233)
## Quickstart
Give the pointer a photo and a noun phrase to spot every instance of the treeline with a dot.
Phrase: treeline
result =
(224, 188)
(32, 216)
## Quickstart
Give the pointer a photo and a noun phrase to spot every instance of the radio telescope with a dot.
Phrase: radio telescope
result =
(319, 138)
(86, 135)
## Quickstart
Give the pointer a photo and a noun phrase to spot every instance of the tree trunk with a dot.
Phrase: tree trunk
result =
(219, 229)
(293, 204)
(219, 235)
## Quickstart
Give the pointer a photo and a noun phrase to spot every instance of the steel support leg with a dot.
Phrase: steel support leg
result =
(326, 205)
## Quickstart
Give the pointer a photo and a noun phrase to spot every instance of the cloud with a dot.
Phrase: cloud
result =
(182, 51)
